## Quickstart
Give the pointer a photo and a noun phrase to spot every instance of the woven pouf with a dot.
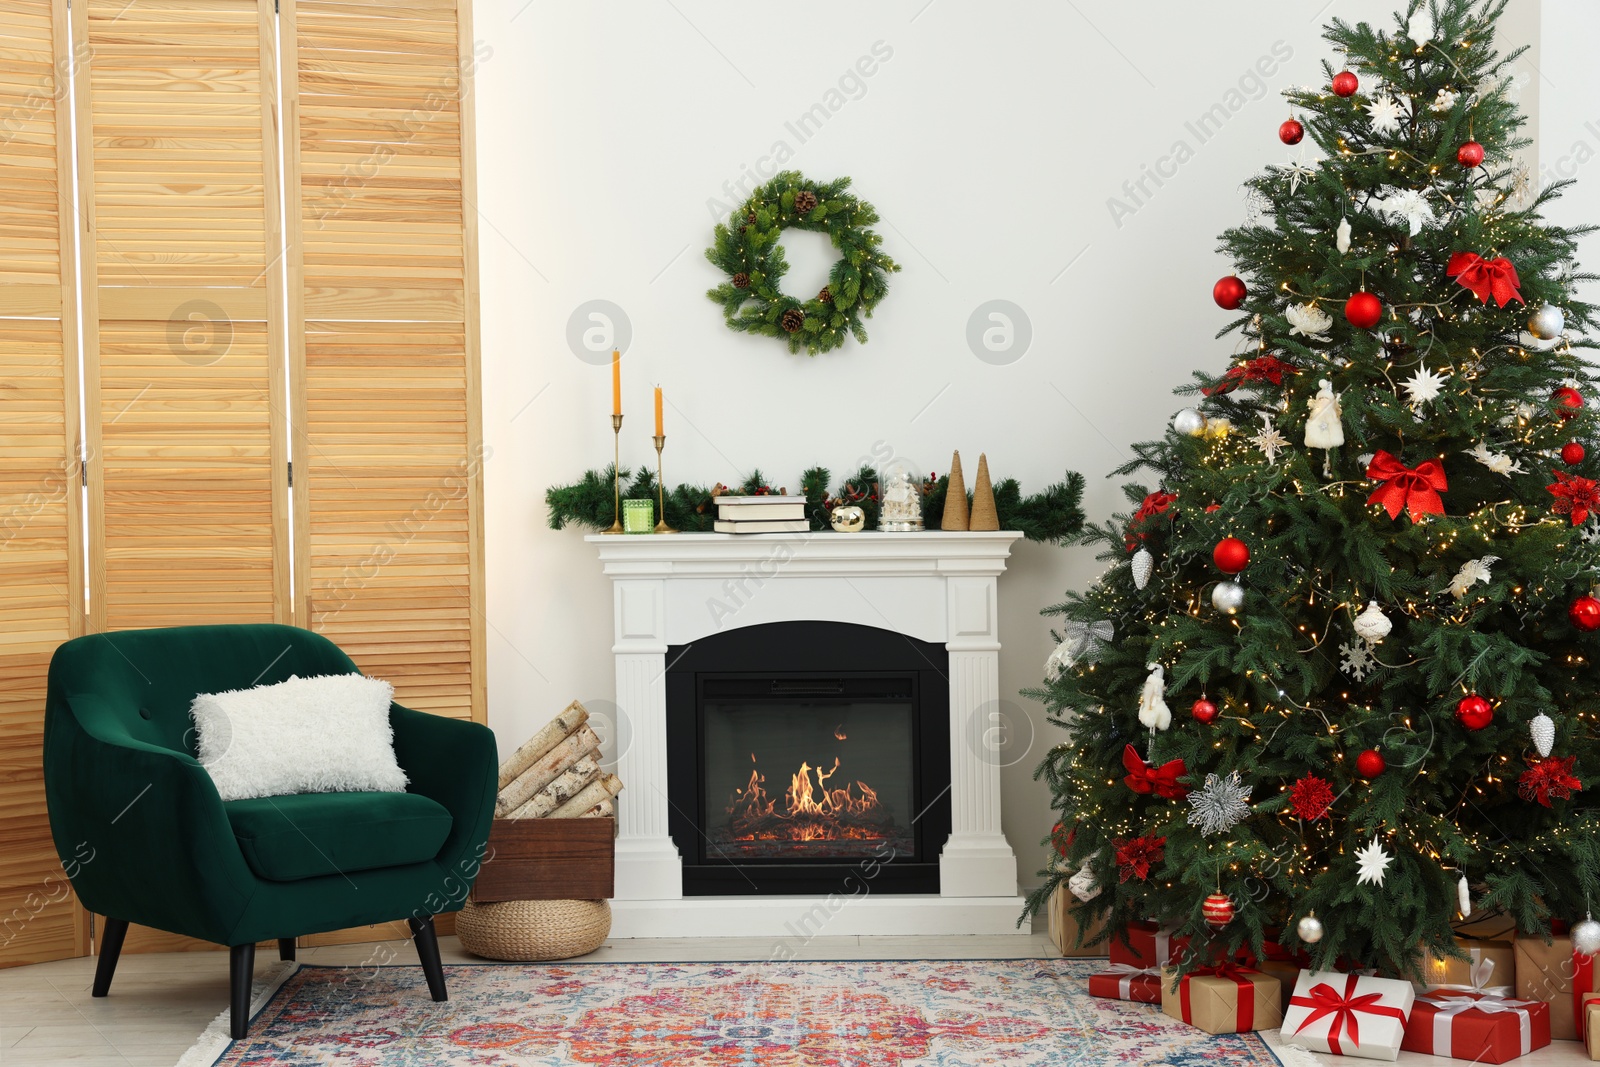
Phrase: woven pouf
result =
(533, 929)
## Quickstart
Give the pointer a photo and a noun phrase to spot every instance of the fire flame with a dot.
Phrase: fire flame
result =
(838, 732)
(812, 811)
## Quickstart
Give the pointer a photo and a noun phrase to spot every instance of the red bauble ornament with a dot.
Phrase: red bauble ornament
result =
(1217, 909)
(1363, 310)
(1470, 154)
(1567, 400)
(1291, 132)
(1370, 763)
(1572, 453)
(1228, 292)
(1345, 84)
(1231, 555)
(1585, 613)
(1204, 712)
(1059, 839)
(1473, 712)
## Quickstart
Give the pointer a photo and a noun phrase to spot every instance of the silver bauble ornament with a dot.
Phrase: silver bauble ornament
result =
(1310, 929)
(1141, 565)
(1586, 937)
(1228, 597)
(1372, 625)
(1543, 729)
(1547, 322)
(1190, 422)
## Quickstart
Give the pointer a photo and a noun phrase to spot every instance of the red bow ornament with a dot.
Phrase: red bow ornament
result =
(1486, 277)
(1263, 369)
(1416, 491)
(1145, 779)
(1575, 496)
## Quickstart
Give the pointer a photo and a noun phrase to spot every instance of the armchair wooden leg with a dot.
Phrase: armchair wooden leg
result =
(286, 948)
(241, 967)
(422, 933)
(110, 947)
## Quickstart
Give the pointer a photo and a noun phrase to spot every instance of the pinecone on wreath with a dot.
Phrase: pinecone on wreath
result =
(826, 296)
(792, 320)
(804, 201)
(741, 280)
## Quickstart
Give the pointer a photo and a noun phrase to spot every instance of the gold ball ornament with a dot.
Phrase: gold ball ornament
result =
(847, 519)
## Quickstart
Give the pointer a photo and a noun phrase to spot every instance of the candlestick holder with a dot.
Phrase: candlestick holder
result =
(616, 472)
(661, 486)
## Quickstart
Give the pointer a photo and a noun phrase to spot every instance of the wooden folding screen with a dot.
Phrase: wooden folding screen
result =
(41, 562)
(382, 275)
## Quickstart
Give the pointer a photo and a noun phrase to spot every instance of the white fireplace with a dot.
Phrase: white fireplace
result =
(937, 587)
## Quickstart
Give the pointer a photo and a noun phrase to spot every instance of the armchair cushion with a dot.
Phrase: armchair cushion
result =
(305, 835)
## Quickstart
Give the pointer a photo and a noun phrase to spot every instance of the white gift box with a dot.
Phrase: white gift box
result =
(1348, 1014)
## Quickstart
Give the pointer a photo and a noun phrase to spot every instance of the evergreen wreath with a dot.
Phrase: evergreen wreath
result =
(753, 260)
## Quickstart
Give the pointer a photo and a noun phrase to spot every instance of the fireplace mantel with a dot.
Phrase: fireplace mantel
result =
(935, 586)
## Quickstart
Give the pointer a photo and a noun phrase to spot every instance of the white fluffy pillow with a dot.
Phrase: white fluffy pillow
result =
(305, 735)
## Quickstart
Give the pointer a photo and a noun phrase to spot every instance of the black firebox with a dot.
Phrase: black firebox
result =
(800, 754)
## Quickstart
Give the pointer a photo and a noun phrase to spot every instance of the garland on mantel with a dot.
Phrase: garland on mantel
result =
(1052, 516)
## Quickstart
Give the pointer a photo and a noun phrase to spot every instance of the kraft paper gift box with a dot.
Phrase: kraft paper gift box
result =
(1278, 961)
(1492, 969)
(1591, 1015)
(1475, 1026)
(1554, 974)
(1064, 926)
(1125, 981)
(1225, 999)
(1348, 1014)
(1149, 945)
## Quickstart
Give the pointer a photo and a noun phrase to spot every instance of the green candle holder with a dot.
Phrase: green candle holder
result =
(638, 516)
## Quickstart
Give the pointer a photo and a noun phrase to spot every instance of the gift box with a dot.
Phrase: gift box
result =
(1349, 1014)
(1476, 1026)
(1491, 969)
(1064, 926)
(1225, 999)
(1124, 981)
(1591, 1015)
(1556, 975)
(1149, 945)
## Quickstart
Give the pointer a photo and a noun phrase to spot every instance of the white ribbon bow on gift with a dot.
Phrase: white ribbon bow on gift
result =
(1478, 974)
(1453, 1004)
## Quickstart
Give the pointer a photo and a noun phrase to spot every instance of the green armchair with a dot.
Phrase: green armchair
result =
(137, 820)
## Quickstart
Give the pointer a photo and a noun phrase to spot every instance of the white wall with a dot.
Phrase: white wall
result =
(990, 137)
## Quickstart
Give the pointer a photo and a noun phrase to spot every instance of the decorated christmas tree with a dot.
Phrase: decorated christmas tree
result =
(1343, 674)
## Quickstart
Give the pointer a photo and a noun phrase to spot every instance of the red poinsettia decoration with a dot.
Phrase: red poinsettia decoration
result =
(1137, 857)
(1311, 797)
(1548, 778)
(1154, 504)
(1574, 496)
(1145, 779)
(1262, 369)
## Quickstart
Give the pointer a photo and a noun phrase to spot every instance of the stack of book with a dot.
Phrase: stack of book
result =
(761, 514)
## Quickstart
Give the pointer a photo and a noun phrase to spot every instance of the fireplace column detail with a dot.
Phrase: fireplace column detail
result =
(648, 866)
(977, 861)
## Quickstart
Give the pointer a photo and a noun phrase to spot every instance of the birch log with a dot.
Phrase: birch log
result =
(546, 769)
(566, 786)
(592, 794)
(549, 736)
(603, 810)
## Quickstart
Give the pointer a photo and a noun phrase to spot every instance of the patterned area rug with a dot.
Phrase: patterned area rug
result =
(918, 1013)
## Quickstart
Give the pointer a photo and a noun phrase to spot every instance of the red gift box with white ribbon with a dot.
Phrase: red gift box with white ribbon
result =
(1127, 981)
(1476, 1026)
(1149, 945)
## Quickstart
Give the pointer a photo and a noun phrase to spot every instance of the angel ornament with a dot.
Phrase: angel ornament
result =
(1323, 428)
(1153, 711)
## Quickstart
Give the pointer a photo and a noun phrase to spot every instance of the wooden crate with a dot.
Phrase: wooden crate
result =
(548, 859)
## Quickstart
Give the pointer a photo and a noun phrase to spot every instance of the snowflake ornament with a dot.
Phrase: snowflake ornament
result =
(1408, 206)
(1471, 573)
(1356, 659)
(1423, 386)
(1299, 172)
(1220, 804)
(1374, 862)
(1385, 113)
(1269, 440)
(1309, 321)
(1498, 462)
(1444, 101)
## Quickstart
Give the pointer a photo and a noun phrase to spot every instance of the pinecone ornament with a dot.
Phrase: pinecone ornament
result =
(804, 201)
(741, 280)
(792, 320)
(826, 296)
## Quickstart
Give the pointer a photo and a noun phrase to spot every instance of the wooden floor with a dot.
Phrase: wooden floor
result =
(160, 1002)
